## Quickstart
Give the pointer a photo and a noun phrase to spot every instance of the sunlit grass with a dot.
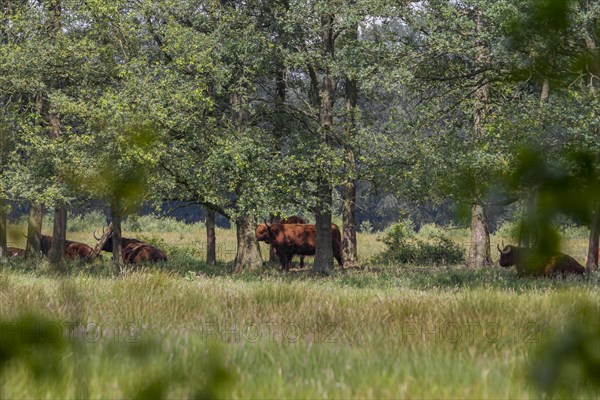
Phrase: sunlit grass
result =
(185, 328)
(402, 334)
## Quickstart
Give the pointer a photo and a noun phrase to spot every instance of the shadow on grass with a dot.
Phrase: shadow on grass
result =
(187, 266)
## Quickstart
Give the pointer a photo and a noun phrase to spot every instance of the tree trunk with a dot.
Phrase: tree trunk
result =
(248, 251)
(59, 231)
(115, 215)
(279, 129)
(59, 235)
(34, 230)
(101, 242)
(591, 40)
(349, 247)
(211, 249)
(273, 259)
(3, 232)
(592, 257)
(479, 251)
(323, 251)
(528, 231)
(545, 91)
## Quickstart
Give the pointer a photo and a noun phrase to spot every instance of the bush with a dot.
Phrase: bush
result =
(403, 246)
(429, 231)
(152, 223)
(84, 223)
(508, 229)
(366, 227)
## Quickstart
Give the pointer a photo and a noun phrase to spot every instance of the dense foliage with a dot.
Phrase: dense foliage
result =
(253, 108)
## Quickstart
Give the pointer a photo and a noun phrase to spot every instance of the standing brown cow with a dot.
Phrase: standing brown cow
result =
(527, 262)
(296, 239)
(294, 219)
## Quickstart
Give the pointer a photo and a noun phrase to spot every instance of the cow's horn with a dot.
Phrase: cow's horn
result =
(502, 251)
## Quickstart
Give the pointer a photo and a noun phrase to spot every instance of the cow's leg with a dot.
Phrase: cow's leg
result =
(301, 261)
(338, 257)
(288, 261)
(282, 259)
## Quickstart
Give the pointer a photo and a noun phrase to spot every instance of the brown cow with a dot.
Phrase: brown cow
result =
(294, 219)
(135, 251)
(15, 252)
(73, 250)
(526, 262)
(300, 239)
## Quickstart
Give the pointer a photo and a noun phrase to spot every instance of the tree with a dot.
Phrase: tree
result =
(35, 37)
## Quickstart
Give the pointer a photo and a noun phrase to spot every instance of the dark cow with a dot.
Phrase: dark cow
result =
(135, 251)
(528, 264)
(296, 239)
(15, 252)
(73, 250)
(294, 219)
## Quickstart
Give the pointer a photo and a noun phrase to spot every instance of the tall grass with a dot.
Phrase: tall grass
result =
(186, 329)
(296, 336)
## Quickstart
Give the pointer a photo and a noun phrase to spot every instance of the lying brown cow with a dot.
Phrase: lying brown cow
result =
(527, 263)
(135, 251)
(15, 252)
(294, 219)
(296, 239)
(73, 250)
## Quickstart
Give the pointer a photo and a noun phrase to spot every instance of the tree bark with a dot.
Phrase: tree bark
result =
(591, 41)
(34, 230)
(479, 251)
(323, 251)
(528, 232)
(101, 242)
(545, 91)
(594, 241)
(59, 235)
(211, 248)
(279, 129)
(115, 215)
(59, 231)
(273, 259)
(3, 232)
(248, 251)
(349, 247)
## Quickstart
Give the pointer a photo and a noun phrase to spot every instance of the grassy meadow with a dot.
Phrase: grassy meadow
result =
(384, 331)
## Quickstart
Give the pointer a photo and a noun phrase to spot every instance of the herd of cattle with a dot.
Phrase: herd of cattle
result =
(133, 251)
(294, 236)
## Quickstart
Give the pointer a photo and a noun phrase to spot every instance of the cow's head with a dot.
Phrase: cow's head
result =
(108, 244)
(507, 256)
(264, 233)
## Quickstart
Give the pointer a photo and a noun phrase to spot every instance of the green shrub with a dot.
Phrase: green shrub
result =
(574, 232)
(366, 227)
(84, 223)
(153, 223)
(508, 229)
(405, 247)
